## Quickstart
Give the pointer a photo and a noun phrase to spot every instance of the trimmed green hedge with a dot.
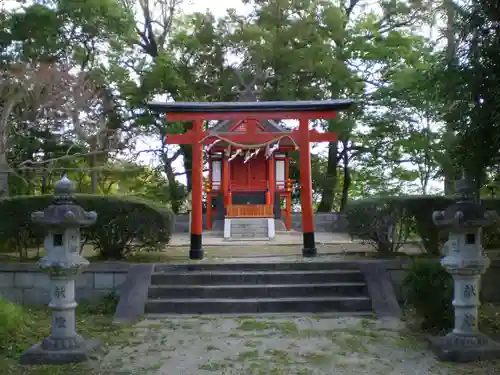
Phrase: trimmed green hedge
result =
(389, 222)
(491, 236)
(428, 288)
(381, 222)
(124, 224)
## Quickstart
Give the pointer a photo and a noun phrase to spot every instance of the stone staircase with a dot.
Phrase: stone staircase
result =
(244, 288)
(247, 229)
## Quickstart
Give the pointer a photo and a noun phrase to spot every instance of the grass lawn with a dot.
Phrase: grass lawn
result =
(251, 345)
(21, 327)
(215, 253)
(215, 345)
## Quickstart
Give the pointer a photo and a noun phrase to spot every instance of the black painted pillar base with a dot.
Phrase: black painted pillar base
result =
(309, 250)
(195, 251)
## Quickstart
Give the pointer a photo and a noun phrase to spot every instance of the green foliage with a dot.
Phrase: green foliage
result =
(17, 232)
(421, 208)
(23, 326)
(104, 305)
(308, 49)
(491, 235)
(428, 288)
(381, 222)
(124, 225)
(475, 82)
(369, 220)
(388, 222)
(39, 28)
(14, 324)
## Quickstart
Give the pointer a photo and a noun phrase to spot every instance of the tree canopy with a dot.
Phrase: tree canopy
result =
(76, 76)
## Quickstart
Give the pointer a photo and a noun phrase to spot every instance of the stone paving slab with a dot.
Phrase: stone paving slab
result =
(290, 238)
(278, 346)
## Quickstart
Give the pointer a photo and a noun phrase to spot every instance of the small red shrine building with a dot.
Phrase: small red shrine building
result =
(249, 180)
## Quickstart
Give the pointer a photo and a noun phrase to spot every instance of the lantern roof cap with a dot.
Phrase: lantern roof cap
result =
(64, 186)
(64, 212)
(465, 213)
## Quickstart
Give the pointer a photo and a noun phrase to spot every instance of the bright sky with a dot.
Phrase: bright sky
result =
(217, 7)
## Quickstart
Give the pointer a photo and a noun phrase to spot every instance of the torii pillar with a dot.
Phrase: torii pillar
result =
(195, 250)
(306, 199)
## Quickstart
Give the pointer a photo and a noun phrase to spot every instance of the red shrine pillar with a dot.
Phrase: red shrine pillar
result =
(309, 249)
(195, 250)
(225, 179)
(272, 180)
(208, 193)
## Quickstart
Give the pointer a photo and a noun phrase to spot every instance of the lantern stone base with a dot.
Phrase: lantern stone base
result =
(462, 348)
(37, 355)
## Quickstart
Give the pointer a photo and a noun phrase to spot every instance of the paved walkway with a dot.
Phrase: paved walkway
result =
(278, 346)
(289, 238)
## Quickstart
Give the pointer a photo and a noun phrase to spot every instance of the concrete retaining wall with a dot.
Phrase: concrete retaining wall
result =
(323, 222)
(489, 282)
(24, 283)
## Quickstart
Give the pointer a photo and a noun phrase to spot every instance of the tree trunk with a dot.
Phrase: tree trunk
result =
(94, 178)
(173, 188)
(188, 165)
(347, 178)
(450, 170)
(4, 175)
(4, 166)
(329, 184)
(43, 187)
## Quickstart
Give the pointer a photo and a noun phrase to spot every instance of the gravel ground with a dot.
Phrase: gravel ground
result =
(271, 346)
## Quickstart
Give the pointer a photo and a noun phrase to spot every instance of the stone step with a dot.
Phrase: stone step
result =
(249, 228)
(330, 314)
(264, 266)
(249, 235)
(246, 227)
(258, 291)
(248, 239)
(258, 305)
(260, 277)
(248, 232)
(248, 221)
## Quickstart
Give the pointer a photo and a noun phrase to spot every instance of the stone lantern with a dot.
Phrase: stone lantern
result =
(466, 263)
(63, 220)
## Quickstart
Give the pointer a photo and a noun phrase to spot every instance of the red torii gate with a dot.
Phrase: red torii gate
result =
(270, 110)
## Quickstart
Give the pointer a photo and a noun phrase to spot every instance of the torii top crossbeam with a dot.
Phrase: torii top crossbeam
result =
(270, 110)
